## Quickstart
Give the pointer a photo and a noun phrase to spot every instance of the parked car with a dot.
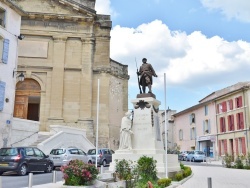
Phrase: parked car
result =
(196, 156)
(104, 156)
(182, 155)
(23, 160)
(63, 156)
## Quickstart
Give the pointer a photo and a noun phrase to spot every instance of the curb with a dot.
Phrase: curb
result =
(177, 183)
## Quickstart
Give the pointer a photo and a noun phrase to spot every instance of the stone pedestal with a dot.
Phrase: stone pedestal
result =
(147, 138)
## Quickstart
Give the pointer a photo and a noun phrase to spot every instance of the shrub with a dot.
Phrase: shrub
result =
(178, 176)
(187, 171)
(164, 182)
(238, 163)
(182, 166)
(78, 173)
(123, 169)
(146, 167)
(228, 160)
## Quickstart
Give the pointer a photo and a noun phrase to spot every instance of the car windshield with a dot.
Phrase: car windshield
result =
(8, 152)
(92, 152)
(57, 151)
(200, 152)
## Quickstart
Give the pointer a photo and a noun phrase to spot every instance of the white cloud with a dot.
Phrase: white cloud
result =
(188, 60)
(237, 9)
(104, 7)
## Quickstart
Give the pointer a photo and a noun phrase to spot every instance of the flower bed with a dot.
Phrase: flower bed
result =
(77, 173)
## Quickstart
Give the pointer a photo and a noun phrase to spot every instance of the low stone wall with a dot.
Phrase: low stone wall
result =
(23, 132)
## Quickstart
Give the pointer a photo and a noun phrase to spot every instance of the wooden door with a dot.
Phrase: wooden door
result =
(21, 106)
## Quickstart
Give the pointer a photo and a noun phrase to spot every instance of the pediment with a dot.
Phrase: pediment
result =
(54, 7)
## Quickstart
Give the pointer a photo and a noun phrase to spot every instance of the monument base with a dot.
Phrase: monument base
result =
(172, 161)
(147, 138)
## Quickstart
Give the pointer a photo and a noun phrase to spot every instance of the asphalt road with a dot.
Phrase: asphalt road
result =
(12, 180)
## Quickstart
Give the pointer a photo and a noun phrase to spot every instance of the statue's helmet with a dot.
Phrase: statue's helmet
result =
(144, 59)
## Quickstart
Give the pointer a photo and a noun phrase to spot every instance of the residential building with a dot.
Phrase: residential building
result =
(10, 22)
(218, 125)
(232, 117)
(65, 52)
(195, 128)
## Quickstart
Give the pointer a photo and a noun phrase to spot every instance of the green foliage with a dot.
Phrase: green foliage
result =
(146, 167)
(182, 166)
(123, 168)
(186, 171)
(164, 182)
(228, 160)
(78, 173)
(238, 163)
(178, 176)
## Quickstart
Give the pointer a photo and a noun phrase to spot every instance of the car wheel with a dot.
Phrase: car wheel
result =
(104, 163)
(1, 173)
(49, 168)
(22, 170)
(193, 159)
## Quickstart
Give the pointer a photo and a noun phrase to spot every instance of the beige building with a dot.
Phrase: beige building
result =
(218, 125)
(196, 128)
(232, 117)
(65, 52)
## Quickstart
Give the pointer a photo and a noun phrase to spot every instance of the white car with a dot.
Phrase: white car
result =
(63, 156)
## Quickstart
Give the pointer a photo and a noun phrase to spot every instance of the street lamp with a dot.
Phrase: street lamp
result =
(21, 77)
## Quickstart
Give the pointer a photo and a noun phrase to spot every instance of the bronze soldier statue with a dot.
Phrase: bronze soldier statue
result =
(146, 72)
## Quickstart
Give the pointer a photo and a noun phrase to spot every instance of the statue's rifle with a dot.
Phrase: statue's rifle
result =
(138, 77)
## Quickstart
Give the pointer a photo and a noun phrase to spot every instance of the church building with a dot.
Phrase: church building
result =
(66, 50)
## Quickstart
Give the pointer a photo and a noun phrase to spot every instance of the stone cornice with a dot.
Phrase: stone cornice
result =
(86, 13)
(15, 7)
(107, 70)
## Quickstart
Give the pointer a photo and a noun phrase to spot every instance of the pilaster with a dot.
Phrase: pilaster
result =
(57, 80)
(86, 78)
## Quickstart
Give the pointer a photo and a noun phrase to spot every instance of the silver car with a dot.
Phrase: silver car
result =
(63, 156)
(196, 156)
(104, 156)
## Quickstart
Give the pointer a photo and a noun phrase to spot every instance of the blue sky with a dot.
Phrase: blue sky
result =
(201, 45)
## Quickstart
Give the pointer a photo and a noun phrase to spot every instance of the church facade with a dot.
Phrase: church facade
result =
(65, 52)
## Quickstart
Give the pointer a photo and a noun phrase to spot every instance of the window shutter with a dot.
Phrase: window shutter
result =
(194, 133)
(204, 127)
(243, 145)
(232, 121)
(240, 101)
(231, 104)
(237, 146)
(190, 119)
(241, 121)
(191, 134)
(229, 123)
(225, 146)
(218, 108)
(221, 124)
(238, 121)
(5, 51)
(2, 94)
(209, 127)
(219, 146)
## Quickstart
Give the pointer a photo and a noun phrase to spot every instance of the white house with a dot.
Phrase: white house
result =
(10, 22)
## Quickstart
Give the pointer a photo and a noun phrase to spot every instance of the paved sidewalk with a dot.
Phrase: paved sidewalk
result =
(49, 185)
(221, 177)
